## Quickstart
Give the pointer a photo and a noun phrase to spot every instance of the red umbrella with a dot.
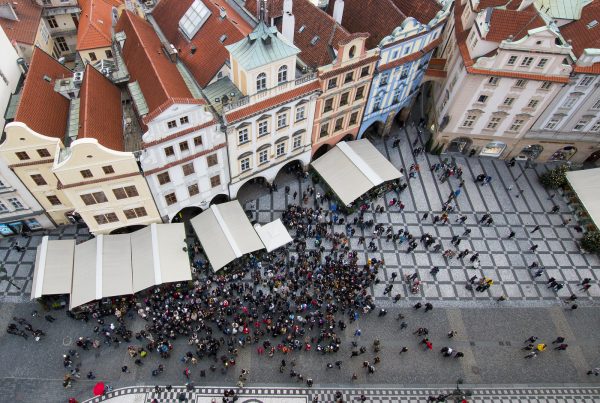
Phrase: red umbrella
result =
(99, 389)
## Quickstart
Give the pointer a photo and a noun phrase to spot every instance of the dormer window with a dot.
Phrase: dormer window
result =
(261, 82)
(282, 75)
(194, 18)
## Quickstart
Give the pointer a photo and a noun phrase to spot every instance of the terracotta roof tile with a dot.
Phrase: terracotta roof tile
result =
(158, 77)
(253, 109)
(509, 4)
(507, 23)
(210, 53)
(593, 69)
(168, 103)
(422, 10)
(25, 29)
(95, 23)
(100, 111)
(41, 108)
(579, 34)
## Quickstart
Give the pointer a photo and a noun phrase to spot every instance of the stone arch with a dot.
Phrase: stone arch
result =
(592, 160)
(321, 151)
(251, 188)
(289, 168)
(375, 129)
(186, 214)
(219, 199)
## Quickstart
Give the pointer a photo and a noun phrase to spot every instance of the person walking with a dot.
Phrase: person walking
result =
(533, 247)
(536, 228)
(511, 235)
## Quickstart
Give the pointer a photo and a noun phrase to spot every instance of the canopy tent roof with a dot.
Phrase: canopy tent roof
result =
(353, 168)
(53, 267)
(273, 235)
(586, 184)
(225, 233)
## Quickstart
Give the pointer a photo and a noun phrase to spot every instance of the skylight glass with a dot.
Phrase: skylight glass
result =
(194, 18)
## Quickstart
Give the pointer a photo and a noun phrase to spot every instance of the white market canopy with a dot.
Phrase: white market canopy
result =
(353, 168)
(586, 184)
(273, 235)
(225, 233)
(111, 265)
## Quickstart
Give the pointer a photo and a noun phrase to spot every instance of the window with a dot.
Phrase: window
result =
(585, 81)
(22, 155)
(546, 85)
(332, 83)
(344, 98)
(212, 160)
(596, 105)
(296, 142)
(376, 104)
(474, 41)
(494, 122)
(542, 63)
(569, 102)
(16, 203)
(281, 120)
(171, 124)
(384, 79)
(184, 120)
(533, 103)
(3, 208)
(61, 43)
(581, 125)
(215, 181)
(339, 124)
(170, 199)
(184, 146)
(349, 77)
(263, 128)
(243, 136)
(263, 156)
(245, 164)
(169, 151)
(508, 101)
(108, 53)
(125, 192)
(86, 173)
(101, 219)
(194, 18)
(482, 99)
(163, 178)
(92, 55)
(93, 198)
(54, 200)
(516, 125)
(552, 123)
(526, 62)
(280, 149)
(512, 60)
(52, 21)
(360, 93)
(300, 113)
(188, 169)
(352, 52)
(324, 130)
(42, 152)
(135, 213)
(328, 105)
(261, 82)
(353, 119)
(493, 81)
(282, 75)
(469, 120)
(193, 190)
(39, 179)
(364, 72)
(520, 83)
(596, 127)
(198, 141)
(108, 169)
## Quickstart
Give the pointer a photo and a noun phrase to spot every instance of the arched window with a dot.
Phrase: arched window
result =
(261, 82)
(352, 52)
(282, 75)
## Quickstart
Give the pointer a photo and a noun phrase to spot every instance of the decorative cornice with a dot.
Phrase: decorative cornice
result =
(184, 160)
(60, 185)
(38, 162)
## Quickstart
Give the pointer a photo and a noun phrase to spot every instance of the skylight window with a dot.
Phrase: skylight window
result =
(194, 18)
(592, 24)
(314, 40)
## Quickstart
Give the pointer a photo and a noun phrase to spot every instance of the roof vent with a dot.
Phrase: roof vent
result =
(46, 78)
(222, 13)
(301, 28)
(314, 40)
(592, 24)
(223, 38)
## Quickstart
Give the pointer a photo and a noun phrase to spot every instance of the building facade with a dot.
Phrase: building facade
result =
(22, 22)
(95, 34)
(62, 19)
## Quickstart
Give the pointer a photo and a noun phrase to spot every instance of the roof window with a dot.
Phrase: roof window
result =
(592, 24)
(314, 40)
(194, 18)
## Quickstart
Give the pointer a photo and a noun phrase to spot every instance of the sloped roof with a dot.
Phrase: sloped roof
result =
(579, 34)
(95, 23)
(23, 30)
(158, 78)
(263, 46)
(100, 112)
(311, 22)
(422, 10)
(511, 23)
(562, 9)
(508, 4)
(41, 108)
(209, 42)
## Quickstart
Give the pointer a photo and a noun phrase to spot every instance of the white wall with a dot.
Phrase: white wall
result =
(10, 73)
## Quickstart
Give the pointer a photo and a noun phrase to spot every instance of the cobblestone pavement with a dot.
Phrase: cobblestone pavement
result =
(374, 395)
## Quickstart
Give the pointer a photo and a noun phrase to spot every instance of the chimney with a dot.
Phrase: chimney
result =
(289, 21)
(338, 11)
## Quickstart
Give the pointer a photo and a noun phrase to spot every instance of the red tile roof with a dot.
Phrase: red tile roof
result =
(158, 77)
(100, 111)
(422, 10)
(511, 23)
(579, 34)
(255, 108)
(41, 108)
(95, 23)
(509, 4)
(274, 8)
(210, 53)
(316, 22)
(25, 29)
